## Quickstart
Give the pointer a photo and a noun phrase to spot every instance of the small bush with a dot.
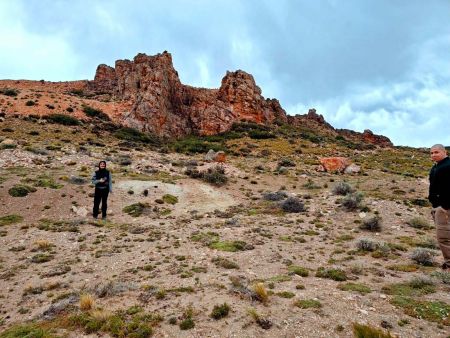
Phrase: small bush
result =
(224, 263)
(92, 112)
(352, 201)
(30, 103)
(187, 324)
(220, 311)
(65, 120)
(135, 209)
(334, 274)
(9, 92)
(21, 190)
(298, 270)
(215, 175)
(342, 188)
(134, 135)
(275, 196)
(419, 223)
(260, 134)
(361, 288)
(170, 199)
(308, 304)
(286, 162)
(367, 331)
(293, 205)
(10, 219)
(423, 256)
(371, 223)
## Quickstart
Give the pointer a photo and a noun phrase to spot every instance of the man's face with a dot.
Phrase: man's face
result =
(437, 154)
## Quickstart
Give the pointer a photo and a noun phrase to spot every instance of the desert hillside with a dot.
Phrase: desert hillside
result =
(255, 240)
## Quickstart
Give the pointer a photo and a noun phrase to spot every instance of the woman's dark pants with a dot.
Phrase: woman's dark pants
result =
(100, 195)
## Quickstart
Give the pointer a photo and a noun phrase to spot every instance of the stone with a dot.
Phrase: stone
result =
(80, 211)
(334, 164)
(352, 169)
(210, 155)
(220, 157)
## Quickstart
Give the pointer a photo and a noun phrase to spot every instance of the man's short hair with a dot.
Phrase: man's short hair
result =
(438, 146)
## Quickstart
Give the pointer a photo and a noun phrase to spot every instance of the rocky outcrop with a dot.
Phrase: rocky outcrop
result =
(163, 105)
(159, 103)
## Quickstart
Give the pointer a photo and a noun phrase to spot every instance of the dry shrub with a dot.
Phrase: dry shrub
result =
(261, 292)
(86, 302)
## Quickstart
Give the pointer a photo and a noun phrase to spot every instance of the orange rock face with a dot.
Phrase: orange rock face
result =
(335, 164)
(164, 106)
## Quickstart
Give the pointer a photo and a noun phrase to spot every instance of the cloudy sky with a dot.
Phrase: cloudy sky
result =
(382, 65)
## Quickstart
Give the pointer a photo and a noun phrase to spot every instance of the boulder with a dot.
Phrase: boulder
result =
(334, 164)
(210, 155)
(220, 157)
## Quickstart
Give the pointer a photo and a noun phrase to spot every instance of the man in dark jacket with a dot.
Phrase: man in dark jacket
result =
(439, 196)
(103, 186)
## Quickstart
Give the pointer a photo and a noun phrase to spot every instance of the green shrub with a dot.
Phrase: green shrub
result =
(224, 263)
(352, 201)
(187, 324)
(220, 311)
(63, 119)
(342, 188)
(371, 223)
(334, 274)
(134, 135)
(298, 270)
(27, 331)
(368, 331)
(95, 113)
(135, 209)
(170, 199)
(260, 134)
(194, 145)
(10, 219)
(434, 311)
(215, 175)
(229, 246)
(30, 103)
(361, 288)
(21, 190)
(292, 205)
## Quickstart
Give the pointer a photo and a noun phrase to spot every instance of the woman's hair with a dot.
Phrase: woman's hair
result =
(101, 163)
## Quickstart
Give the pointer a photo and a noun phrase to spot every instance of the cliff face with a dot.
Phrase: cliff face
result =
(161, 104)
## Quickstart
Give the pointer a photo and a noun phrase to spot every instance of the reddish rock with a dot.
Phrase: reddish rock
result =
(220, 157)
(334, 164)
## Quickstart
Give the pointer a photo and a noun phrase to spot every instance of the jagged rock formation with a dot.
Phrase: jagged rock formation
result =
(161, 104)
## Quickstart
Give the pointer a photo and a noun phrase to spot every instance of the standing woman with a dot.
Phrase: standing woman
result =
(103, 186)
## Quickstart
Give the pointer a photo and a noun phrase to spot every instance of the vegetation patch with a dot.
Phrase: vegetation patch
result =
(63, 119)
(58, 226)
(434, 311)
(357, 287)
(413, 288)
(135, 209)
(95, 113)
(308, 304)
(225, 263)
(134, 135)
(170, 199)
(368, 331)
(10, 219)
(285, 294)
(229, 246)
(298, 270)
(21, 190)
(334, 274)
(9, 92)
(220, 311)
(32, 330)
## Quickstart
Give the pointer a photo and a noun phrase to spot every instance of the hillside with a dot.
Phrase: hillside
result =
(292, 251)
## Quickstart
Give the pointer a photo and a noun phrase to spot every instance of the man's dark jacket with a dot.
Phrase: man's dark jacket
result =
(439, 193)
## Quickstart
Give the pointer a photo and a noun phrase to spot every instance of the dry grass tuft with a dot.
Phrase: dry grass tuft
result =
(86, 302)
(261, 292)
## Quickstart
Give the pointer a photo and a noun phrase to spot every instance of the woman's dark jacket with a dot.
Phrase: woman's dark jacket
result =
(99, 174)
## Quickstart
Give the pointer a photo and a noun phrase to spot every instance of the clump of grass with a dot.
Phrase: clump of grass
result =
(443, 276)
(220, 311)
(366, 244)
(423, 256)
(334, 274)
(371, 223)
(86, 302)
(418, 286)
(419, 223)
(41, 258)
(368, 331)
(229, 246)
(293, 205)
(9, 92)
(352, 201)
(187, 323)
(261, 293)
(134, 135)
(21, 190)
(225, 263)
(27, 330)
(342, 188)
(308, 304)
(170, 199)
(434, 311)
(136, 209)
(10, 219)
(285, 294)
(298, 270)
(358, 287)
(275, 196)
